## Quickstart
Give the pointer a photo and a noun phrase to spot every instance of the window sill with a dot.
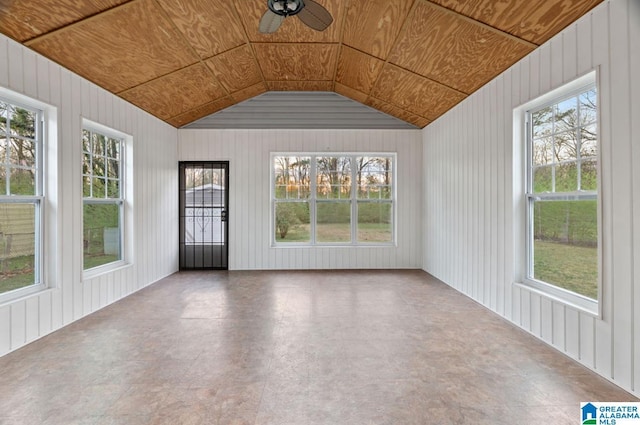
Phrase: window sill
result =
(105, 269)
(333, 246)
(589, 307)
(18, 295)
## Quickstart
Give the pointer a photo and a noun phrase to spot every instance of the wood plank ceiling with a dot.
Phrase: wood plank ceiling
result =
(181, 60)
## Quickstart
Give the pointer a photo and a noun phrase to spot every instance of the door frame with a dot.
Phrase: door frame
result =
(212, 163)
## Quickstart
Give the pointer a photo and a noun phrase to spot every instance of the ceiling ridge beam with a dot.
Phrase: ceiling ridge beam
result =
(482, 24)
(89, 18)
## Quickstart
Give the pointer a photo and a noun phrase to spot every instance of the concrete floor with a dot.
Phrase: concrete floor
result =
(331, 348)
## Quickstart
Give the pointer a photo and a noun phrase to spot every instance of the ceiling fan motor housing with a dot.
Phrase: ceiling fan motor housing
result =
(285, 7)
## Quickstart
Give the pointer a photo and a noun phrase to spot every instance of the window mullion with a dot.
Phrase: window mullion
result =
(312, 200)
(354, 202)
(578, 145)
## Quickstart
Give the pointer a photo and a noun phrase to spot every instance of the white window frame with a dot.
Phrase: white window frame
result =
(122, 201)
(353, 200)
(46, 180)
(524, 196)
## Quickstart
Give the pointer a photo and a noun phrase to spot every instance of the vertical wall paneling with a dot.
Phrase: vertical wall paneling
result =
(572, 337)
(500, 198)
(621, 179)
(30, 71)
(486, 184)
(18, 324)
(71, 307)
(634, 69)
(16, 74)
(32, 321)
(44, 315)
(535, 311)
(248, 153)
(512, 297)
(154, 152)
(4, 62)
(5, 329)
(601, 58)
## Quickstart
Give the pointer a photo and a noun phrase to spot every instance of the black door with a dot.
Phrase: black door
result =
(204, 197)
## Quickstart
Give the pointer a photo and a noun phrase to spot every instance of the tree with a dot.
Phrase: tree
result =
(19, 126)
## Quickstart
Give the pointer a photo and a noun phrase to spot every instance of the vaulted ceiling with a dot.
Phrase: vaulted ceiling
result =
(181, 60)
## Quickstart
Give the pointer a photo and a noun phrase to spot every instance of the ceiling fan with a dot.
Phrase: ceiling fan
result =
(312, 14)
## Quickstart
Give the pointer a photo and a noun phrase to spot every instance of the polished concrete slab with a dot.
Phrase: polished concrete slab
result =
(320, 347)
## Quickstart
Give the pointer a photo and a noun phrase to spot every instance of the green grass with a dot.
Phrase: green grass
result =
(340, 232)
(16, 273)
(91, 261)
(374, 232)
(568, 266)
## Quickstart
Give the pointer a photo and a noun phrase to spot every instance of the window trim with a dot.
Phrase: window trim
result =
(123, 202)
(523, 194)
(352, 200)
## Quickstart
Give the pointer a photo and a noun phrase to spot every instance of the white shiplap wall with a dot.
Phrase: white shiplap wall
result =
(248, 153)
(469, 192)
(155, 235)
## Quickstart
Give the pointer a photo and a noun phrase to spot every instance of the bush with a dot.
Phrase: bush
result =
(285, 218)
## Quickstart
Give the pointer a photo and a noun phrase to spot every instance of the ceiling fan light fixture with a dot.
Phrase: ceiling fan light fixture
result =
(285, 7)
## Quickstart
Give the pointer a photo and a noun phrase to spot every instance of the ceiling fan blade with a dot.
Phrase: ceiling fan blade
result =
(315, 16)
(270, 22)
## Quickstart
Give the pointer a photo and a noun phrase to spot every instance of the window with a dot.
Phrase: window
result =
(21, 197)
(562, 195)
(103, 197)
(333, 199)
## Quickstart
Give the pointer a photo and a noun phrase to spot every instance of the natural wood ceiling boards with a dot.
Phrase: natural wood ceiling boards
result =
(293, 61)
(300, 85)
(373, 25)
(23, 20)
(209, 28)
(236, 69)
(414, 93)
(183, 59)
(176, 93)
(534, 21)
(121, 48)
(201, 111)
(453, 50)
(358, 70)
